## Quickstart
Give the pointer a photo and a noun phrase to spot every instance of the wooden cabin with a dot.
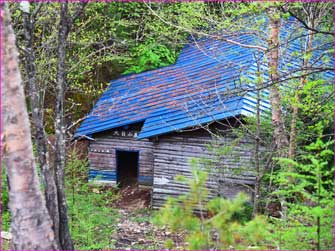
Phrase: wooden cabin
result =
(117, 156)
(147, 127)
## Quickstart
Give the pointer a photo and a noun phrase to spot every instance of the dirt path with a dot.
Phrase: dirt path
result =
(134, 229)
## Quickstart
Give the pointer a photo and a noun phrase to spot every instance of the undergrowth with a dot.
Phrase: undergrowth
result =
(5, 213)
(308, 216)
(5, 217)
(90, 213)
(213, 224)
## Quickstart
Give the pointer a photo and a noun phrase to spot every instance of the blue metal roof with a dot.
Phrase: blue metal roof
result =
(204, 85)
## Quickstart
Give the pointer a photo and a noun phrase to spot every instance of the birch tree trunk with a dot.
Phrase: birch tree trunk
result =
(279, 133)
(31, 223)
(50, 189)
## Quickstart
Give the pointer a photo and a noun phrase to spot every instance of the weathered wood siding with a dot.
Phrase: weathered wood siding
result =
(228, 176)
(102, 156)
(163, 158)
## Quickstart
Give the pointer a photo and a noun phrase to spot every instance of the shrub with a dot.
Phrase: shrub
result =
(309, 194)
(212, 224)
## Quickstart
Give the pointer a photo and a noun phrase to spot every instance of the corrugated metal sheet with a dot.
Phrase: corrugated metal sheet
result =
(204, 85)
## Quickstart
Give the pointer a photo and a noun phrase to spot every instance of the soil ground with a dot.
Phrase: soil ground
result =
(133, 198)
(134, 228)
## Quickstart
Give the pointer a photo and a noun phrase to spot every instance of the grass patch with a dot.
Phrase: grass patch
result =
(92, 219)
(92, 223)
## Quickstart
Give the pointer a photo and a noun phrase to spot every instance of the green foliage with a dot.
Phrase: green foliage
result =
(115, 38)
(92, 220)
(107, 40)
(6, 217)
(151, 56)
(245, 214)
(4, 190)
(310, 196)
(216, 225)
(316, 108)
(163, 32)
(5, 220)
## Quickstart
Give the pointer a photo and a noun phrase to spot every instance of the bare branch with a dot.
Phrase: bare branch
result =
(305, 24)
(37, 10)
(206, 34)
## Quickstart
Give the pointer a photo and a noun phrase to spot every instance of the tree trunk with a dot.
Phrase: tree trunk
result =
(60, 151)
(295, 112)
(31, 223)
(279, 133)
(50, 189)
(257, 193)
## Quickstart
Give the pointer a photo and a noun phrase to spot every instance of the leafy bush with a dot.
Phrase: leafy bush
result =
(211, 224)
(245, 214)
(150, 56)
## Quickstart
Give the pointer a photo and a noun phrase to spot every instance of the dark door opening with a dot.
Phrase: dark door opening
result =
(127, 167)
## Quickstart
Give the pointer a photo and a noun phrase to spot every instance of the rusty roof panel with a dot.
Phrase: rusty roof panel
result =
(211, 80)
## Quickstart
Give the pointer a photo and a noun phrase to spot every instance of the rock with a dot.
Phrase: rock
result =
(6, 235)
(95, 190)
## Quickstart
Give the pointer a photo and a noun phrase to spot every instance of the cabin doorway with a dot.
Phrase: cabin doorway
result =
(127, 167)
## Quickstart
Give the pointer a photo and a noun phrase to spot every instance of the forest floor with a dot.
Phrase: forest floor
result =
(134, 229)
(124, 222)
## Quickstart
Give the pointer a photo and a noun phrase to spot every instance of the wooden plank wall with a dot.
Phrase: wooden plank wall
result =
(102, 156)
(172, 156)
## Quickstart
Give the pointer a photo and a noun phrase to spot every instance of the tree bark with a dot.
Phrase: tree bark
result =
(257, 193)
(65, 24)
(279, 133)
(50, 190)
(295, 108)
(31, 223)
(60, 148)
